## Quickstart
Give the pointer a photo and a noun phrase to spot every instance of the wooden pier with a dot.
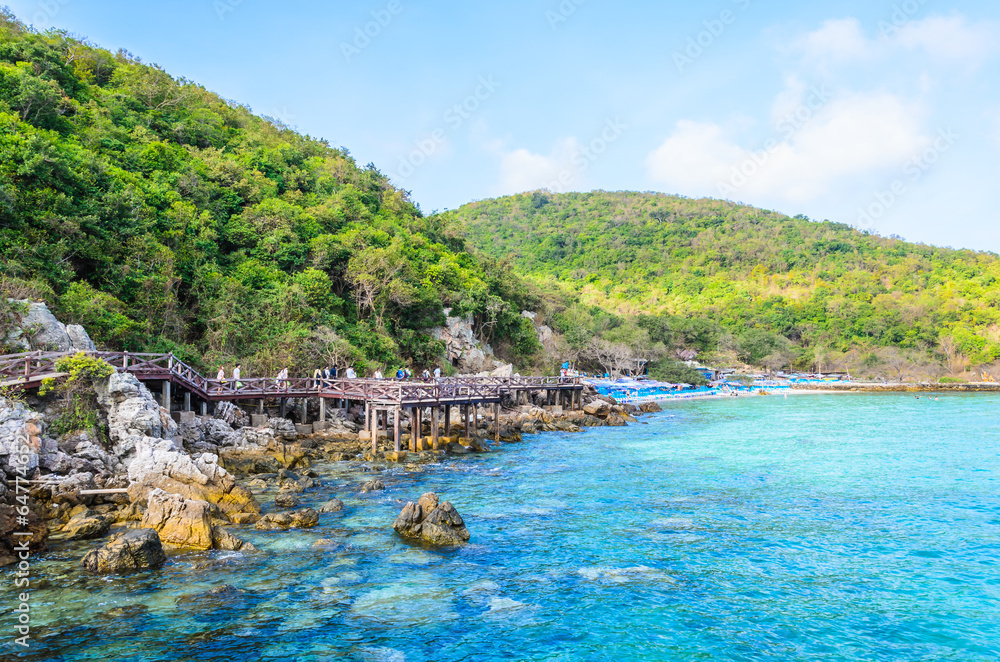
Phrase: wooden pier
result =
(380, 398)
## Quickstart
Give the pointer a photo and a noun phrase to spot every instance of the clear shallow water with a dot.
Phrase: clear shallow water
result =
(808, 528)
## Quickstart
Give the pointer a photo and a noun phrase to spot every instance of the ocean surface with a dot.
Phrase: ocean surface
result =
(812, 527)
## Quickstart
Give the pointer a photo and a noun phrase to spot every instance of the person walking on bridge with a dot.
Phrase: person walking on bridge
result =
(437, 372)
(236, 377)
(350, 373)
(221, 377)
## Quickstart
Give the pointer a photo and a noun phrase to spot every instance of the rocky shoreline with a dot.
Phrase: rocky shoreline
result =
(145, 483)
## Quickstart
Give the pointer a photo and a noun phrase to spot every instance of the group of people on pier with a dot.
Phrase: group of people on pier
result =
(325, 376)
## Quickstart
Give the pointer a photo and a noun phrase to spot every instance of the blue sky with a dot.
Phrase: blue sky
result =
(882, 115)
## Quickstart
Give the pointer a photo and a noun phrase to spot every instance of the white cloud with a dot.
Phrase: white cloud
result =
(523, 170)
(950, 39)
(838, 40)
(821, 149)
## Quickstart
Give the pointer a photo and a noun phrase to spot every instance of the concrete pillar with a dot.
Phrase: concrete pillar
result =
(187, 401)
(368, 414)
(447, 420)
(465, 415)
(434, 427)
(165, 395)
(414, 432)
(496, 423)
(260, 407)
(475, 419)
(397, 425)
(204, 408)
(322, 410)
(374, 434)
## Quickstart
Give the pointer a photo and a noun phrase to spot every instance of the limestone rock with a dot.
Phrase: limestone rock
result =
(79, 339)
(39, 329)
(650, 408)
(181, 523)
(332, 506)
(223, 540)
(300, 519)
(282, 428)
(598, 408)
(158, 465)
(86, 526)
(133, 413)
(372, 486)
(136, 549)
(286, 501)
(230, 413)
(17, 422)
(435, 523)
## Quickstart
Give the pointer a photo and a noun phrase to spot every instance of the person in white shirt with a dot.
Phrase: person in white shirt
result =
(236, 376)
(437, 373)
(351, 374)
(378, 374)
(221, 377)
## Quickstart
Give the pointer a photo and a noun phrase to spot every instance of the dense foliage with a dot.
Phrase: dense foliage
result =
(164, 218)
(717, 276)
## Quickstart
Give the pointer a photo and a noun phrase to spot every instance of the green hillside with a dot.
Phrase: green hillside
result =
(163, 217)
(697, 273)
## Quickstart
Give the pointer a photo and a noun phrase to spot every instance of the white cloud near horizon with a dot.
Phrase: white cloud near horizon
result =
(850, 136)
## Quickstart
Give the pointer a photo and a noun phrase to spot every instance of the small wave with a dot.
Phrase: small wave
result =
(624, 575)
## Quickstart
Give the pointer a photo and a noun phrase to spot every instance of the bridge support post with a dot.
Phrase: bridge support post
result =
(414, 429)
(447, 420)
(165, 395)
(187, 401)
(260, 407)
(475, 419)
(368, 413)
(496, 423)
(465, 416)
(204, 408)
(322, 410)
(434, 428)
(397, 425)
(374, 434)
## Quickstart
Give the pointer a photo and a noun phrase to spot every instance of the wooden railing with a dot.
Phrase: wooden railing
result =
(28, 369)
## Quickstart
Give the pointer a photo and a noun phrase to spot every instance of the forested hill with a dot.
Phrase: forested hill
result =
(163, 217)
(812, 283)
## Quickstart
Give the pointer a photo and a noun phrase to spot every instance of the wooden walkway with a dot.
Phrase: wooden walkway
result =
(380, 398)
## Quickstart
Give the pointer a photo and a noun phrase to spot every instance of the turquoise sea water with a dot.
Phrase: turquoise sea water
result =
(813, 527)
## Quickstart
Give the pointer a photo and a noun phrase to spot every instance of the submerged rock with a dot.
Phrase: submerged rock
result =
(434, 523)
(136, 549)
(373, 486)
(299, 519)
(9, 526)
(332, 506)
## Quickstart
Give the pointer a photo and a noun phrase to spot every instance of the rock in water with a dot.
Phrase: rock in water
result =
(332, 506)
(86, 526)
(179, 522)
(598, 408)
(434, 523)
(136, 549)
(300, 519)
(372, 486)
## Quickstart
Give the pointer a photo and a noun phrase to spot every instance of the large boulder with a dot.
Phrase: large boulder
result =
(39, 329)
(136, 549)
(435, 523)
(79, 339)
(598, 408)
(158, 465)
(133, 413)
(181, 523)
